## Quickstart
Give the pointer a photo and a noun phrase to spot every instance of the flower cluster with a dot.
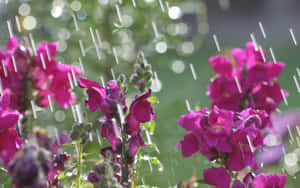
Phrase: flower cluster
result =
(244, 94)
(26, 73)
(120, 125)
(29, 77)
(246, 80)
(220, 177)
(44, 161)
(224, 136)
(107, 172)
(111, 102)
(30, 167)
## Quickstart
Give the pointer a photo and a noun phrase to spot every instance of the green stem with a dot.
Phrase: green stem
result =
(79, 165)
(125, 174)
(201, 181)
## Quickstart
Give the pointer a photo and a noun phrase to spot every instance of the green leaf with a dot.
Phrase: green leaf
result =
(153, 99)
(152, 127)
(155, 161)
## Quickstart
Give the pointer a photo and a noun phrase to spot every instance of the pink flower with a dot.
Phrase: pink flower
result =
(141, 108)
(52, 78)
(189, 145)
(218, 177)
(194, 121)
(220, 133)
(264, 72)
(105, 99)
(238, 184)
(221, 65)
(13, 75)
(46, 52)
(210, 132)
(60, 88)
(254, 118)
(266, 97)
(47, 79)
(96, 93)
(224, 93)
(269, 181)
(243, 142)
(140, 112)
(10, 141)
(110, 132)
(135, 142)
(255, 78)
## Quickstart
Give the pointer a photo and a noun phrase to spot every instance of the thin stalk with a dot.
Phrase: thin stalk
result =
(125, 171)
(125, 174)
(79, 165)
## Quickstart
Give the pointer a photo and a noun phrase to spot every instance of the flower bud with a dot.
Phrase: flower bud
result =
(122, 78)
(148, 67)
(93, 177)
(148, 75)
(100, 168)
(134, 78)
(142, 85)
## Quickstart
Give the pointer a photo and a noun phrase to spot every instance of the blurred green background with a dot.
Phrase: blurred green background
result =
(185, 38)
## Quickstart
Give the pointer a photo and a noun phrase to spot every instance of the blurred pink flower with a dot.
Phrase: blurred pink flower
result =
(218, 177)
(10, 141)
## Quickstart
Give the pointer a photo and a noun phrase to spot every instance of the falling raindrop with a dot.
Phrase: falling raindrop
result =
(10, 30)
(273, 56)
(293, 36)
(262, 30)
(193, 71)
(216, 42)
(187, 103)
(156, 84)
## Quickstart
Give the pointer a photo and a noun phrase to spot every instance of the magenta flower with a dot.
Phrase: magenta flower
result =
(190, 145)
(194, 121)
(141, 108)
(218, 177)
(244, 141)
(96, 93)
(110, 132)
(135, 142)
(221, 65)
(60, 88)
(10, 141)
(269, 181)
(211, 131)
(249, 73)
(218, 133)
(266, 97)
(13, 75)
(46, 78)
(254, 118)
(224, 93)
(105, 99)
(238, 184)
(45, 60)
(140, 111)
